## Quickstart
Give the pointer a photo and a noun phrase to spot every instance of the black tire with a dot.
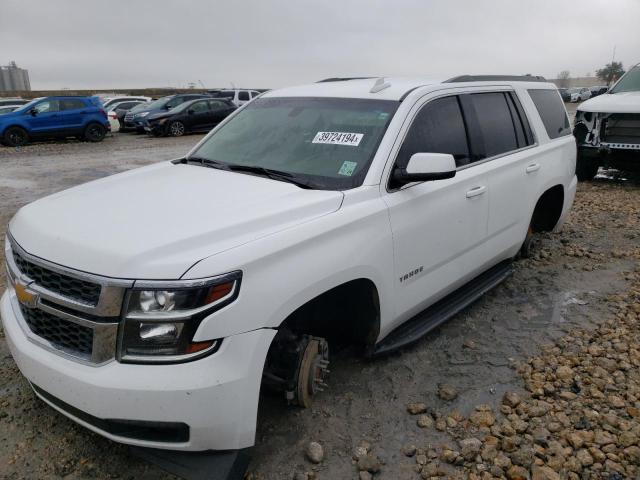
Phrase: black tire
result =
(94, 132)
(528, 246)
(176, 129)
(586, 169)
(15, 137)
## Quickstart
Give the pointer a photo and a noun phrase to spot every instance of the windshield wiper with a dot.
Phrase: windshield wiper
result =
(273, 174)
(207, 162)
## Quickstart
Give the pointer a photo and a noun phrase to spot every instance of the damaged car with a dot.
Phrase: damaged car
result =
(607, 129)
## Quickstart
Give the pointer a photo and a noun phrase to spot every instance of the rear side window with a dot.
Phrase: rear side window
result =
(495, 122)
(71, 104)
(438, 128)
(551, 110)
(243, 96)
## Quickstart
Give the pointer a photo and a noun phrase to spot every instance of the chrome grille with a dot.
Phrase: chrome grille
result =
(74, 288)
(65, 335)
(66, 311)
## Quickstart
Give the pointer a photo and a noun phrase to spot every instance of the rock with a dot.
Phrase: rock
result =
(369, 463)
(627, 439)
(469, 448)
(314, 452)
(361, 450)
(603, 438)
(365, 476)
(449, 456)
(447, 392)
(564, 373)
(632, 454)
(502, 461)
(584, 457)
(421, 459)
(523, 456)
(483, 418)
(516, 472)
(574, 439)
(424, 421)
(511, 399)
(416, 408)
(409, 450)
(441, 425)
(543, 473)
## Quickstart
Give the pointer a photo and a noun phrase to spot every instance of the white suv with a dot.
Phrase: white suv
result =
(151, 305)
(238, 96)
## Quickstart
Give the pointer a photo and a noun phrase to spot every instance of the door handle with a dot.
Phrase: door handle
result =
(534, 167)
(475, 191)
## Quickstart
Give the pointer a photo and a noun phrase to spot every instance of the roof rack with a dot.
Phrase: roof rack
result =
(341, 79)
(494, 78)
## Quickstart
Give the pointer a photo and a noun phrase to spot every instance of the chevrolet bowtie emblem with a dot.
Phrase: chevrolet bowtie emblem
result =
(25, 296)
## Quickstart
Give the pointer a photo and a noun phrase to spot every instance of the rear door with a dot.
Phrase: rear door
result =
(439, 227)
(220, 110)
(501, 139)
(46, 118)
(73, 112)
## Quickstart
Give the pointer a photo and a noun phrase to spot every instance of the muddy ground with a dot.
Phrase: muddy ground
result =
(568, 285)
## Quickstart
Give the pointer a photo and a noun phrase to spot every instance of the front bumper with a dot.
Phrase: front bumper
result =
(216, 397)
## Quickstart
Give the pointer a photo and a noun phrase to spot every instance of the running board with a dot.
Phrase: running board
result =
(417, 327)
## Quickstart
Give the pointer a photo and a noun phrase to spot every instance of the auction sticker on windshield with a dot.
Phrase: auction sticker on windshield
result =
(338, 138)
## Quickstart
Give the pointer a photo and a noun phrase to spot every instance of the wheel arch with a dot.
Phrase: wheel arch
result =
(548, 209)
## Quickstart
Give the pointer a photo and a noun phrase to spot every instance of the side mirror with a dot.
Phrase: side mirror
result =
(33, 112)
(190, 111)
(425, 167)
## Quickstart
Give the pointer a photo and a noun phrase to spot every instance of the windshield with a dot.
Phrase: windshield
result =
(27, 106)
(630, 82)
(327, 142)
(141, 107)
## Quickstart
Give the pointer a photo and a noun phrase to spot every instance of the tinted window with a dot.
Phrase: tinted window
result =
(174, 102)
(71, 104)
(438, 128)
(520, 121)
(495, 123)
(551, 110)
(216, 105)
(199, 107)
(243, 96)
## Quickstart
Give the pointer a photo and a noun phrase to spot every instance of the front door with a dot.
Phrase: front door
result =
(439, 227)
(45, 117)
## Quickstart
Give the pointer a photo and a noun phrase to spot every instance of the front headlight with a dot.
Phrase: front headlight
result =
(142, 115)
(161, 318)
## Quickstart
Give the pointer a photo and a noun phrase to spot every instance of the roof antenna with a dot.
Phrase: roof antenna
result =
(379, 85)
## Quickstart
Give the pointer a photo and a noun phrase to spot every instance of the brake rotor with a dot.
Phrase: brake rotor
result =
(313, 371)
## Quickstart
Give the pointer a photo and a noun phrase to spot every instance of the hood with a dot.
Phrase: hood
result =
(156, 222)
(155, 114)
(623, 102)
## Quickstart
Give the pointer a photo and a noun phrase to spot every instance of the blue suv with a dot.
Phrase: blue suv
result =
(55, 117)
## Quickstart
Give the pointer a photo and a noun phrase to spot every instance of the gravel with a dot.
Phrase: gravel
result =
(545, 367)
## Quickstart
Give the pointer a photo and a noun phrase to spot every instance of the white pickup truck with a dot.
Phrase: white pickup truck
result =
(150, 306)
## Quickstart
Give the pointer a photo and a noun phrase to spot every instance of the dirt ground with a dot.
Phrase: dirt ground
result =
(568, 285)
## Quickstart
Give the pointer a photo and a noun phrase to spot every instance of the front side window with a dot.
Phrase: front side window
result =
(199, 107)
(438, 128)
(48, 106)
(327, 142)
(552, 112)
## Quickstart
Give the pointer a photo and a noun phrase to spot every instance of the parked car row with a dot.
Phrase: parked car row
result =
(580, 94)
(91, 118)
(54, 117)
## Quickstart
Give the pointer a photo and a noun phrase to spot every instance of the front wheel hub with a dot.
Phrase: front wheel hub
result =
(313, 371)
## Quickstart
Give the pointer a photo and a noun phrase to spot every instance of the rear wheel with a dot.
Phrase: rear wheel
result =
(15, 137)
(94, 132)
(176, 129)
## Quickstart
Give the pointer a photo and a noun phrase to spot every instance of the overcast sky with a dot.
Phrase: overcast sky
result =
(262, 43)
